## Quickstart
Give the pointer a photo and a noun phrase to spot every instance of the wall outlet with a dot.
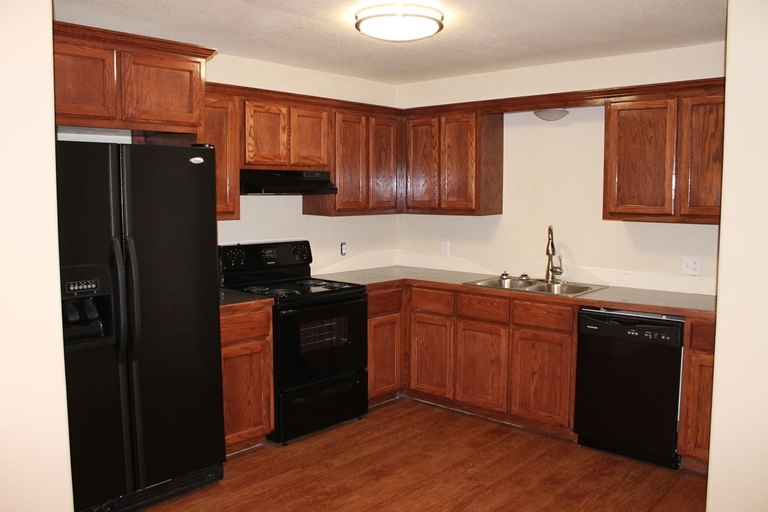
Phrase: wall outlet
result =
(691, 265)
(445, 247)
(343, 248)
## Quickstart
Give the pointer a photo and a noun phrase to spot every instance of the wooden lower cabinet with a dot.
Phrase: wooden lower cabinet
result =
(509, 359)
(696, 393)
(385, 342)
(542, 357)
(246, 350)
(540, 376)
(431, 360)
(481, 364)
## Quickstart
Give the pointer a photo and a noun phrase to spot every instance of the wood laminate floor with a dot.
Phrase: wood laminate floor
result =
(410, 456)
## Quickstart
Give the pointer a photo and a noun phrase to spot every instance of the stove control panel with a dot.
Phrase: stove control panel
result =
(255, 257)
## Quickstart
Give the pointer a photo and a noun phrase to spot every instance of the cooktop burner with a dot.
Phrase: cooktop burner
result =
(311, 282)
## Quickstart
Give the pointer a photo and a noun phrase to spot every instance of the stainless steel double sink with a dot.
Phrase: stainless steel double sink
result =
(537, 286)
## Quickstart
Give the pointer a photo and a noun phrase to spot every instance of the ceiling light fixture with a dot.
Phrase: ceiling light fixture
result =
(399, 22)
(551, 114)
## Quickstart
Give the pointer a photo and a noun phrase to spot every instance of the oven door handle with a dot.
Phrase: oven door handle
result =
(321, 305)
(326, 393)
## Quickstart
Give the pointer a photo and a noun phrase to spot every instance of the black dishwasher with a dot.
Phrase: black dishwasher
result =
(628, 383)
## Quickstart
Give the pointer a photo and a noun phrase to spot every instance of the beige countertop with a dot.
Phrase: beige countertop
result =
(631, 297)
(228, 297)
(612, 296)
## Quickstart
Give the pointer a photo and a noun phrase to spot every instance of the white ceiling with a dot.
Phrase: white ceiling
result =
(479, 35)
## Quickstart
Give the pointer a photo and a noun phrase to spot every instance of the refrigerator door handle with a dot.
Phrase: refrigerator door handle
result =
(133, 267)
(122, 346)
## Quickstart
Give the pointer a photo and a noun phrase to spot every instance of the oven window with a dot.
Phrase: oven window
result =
(323, 334)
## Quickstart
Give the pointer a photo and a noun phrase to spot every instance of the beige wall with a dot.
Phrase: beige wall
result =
(552, 175)
(34, 445)
(738, 469)
(228, 69)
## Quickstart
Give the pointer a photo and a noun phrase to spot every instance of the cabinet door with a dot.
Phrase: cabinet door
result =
(161, 88)
(84, 76)
(384, 354)
(266, 133)
(221, 127)
(700, 164)
(696, 405)
(247, 387)
(350, 161)
(540, 376)
(246, 359)
(481, 364)
(422, 190)
(457, 162)
(309, 136)
(382, 163)
(639, 159)
(431, 368)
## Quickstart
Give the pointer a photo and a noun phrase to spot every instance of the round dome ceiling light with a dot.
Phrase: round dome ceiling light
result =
(551, 114)
(399, 22)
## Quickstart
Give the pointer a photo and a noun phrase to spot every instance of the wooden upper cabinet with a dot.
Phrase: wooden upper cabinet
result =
(365, 164)
(664, 159)
(454, 164)
(266, 133)
(282, 136)
(309, 136)
(107, 79)
(161, 88)
(351, 162)
(382, 163)
(221, 127)
(422, 175)
(457, 162)
(700, 164)
(639, 158)
(86, 85)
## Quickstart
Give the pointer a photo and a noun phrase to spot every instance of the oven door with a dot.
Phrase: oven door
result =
(317, 342)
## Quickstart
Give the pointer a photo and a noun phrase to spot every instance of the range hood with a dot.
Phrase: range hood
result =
(286, 182)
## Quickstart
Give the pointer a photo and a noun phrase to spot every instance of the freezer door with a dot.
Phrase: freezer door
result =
(100, 436)
(172, 267)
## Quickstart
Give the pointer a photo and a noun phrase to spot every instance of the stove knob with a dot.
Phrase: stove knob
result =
(300, 251)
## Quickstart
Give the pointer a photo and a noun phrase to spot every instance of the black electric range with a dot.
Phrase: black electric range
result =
(320, 335)
(280, 270)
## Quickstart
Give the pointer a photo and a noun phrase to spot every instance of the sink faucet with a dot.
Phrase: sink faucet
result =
(552, 269)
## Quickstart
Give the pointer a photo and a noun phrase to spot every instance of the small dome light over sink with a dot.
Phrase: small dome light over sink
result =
(399, 22)
(551, 114)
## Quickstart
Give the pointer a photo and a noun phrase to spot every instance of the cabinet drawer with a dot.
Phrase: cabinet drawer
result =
(539, 314)
(435, 301)
(483, 307)
(702, 336)
(381, 302)
(244, 322)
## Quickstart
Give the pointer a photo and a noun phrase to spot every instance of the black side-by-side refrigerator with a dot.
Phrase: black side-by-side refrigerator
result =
(139, 288)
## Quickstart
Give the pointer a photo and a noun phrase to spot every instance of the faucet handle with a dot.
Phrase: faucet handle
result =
(504, 275)
(558, 270)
